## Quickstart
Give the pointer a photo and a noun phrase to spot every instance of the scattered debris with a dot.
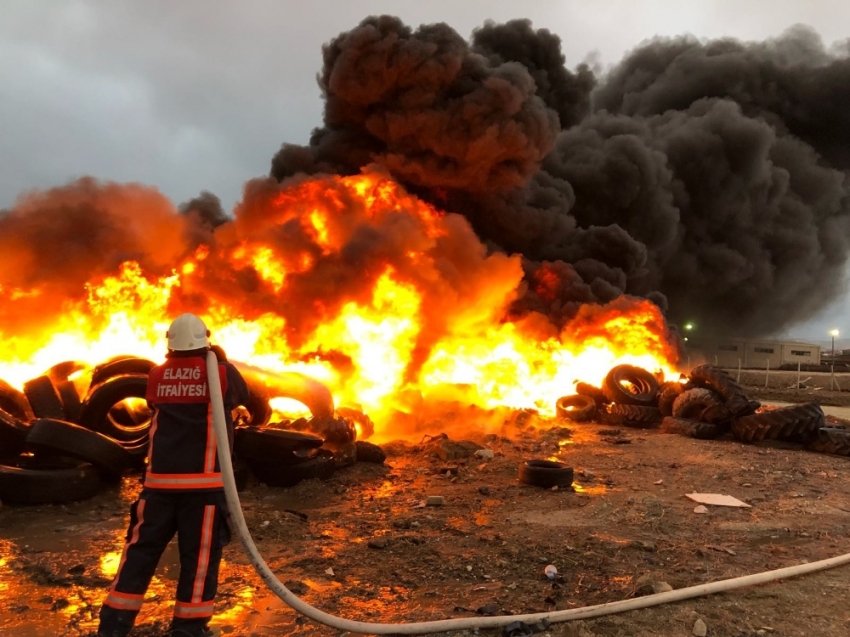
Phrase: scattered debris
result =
(486, 454)
(701, 509)
(435, 501)
(700, 629)
(715, 499)
(550, 571)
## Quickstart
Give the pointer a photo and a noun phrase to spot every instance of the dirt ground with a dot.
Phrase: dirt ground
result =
(814, 386)
(362, 545)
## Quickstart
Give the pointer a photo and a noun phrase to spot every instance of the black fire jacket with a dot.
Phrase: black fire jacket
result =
(182, 450)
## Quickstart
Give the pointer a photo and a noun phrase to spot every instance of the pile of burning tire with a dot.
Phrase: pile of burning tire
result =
(706, 404)
(74, 429)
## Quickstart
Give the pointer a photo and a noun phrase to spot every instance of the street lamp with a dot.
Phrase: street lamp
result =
(833, 334)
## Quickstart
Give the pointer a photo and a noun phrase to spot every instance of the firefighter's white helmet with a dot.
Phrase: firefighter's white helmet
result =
(188, 332)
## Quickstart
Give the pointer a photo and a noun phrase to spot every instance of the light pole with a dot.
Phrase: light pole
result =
(833, 334)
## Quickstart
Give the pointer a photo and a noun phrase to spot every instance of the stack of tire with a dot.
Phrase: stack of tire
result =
(60, 444)
(628, 397)
(706, 404)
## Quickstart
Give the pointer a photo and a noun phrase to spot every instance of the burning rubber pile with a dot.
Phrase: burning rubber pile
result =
(75, 428)
(707, 403)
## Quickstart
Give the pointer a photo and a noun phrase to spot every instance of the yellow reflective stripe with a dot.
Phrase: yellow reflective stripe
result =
(197, 609)
(177, 480)
(124, 601)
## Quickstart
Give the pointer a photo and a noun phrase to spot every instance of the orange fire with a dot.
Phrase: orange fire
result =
(357, 283)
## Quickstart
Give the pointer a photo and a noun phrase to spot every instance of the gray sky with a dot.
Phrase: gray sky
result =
(198, 94)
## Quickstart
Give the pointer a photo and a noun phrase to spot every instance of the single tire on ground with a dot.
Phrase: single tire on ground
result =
(630, 385)
(120, 366)
(576, 408)
(78, 442)
(831, 440)
(545, 473)
(275, 474)
(34, 480)
(368, 452)
(690, 428)
(266, 444)
(637, 416)
(13, 435)
(15, 402)
(586, 389)
(43, 398)
(798, 423)
(667, 394)
(694, 404)
(720, 382)
(125, 426)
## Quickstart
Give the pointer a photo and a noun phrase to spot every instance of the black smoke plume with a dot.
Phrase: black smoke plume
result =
(711, 177)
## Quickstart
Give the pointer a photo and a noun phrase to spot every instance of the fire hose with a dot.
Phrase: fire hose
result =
(422, 628)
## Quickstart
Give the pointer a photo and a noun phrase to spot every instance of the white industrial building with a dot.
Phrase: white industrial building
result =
(752, 353)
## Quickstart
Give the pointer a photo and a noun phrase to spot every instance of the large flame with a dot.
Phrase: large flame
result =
(360, 285)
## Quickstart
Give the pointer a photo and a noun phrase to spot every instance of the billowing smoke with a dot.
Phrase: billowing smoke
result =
(710, 178)
(57, 240)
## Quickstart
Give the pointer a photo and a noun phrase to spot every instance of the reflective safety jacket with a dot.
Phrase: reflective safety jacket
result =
(182, 450)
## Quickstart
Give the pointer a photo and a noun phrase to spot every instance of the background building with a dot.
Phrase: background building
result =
(752, 353)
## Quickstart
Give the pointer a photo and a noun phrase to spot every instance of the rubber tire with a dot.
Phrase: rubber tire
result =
(43, 398)
(637, 416)
(78, 442)
(667, 394)
(61, 371)
(645, 384)
(365, 426)
(13, 435)
(694, 403)
(47, 481)
(258, 404)
(798, 423)
(265, 444)
(345, 454)
(721, 383)
(584, 408)
(120, 366)
(586, 389)
(15, 402)
(72, 406)
(274, 474)
(241, 475)
(545, 473)
(103, 397)
(831, 440)
(368, 452)
(690, 428)
(335, 430)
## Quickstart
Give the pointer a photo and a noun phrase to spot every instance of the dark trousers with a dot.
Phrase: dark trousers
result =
(199, 520)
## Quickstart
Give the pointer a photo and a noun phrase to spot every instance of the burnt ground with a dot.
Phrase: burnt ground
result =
(362, 545)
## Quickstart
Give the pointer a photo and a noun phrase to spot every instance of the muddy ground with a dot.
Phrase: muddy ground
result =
(362, 545)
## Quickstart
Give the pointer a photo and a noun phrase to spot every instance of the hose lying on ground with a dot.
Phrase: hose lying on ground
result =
(422, 628)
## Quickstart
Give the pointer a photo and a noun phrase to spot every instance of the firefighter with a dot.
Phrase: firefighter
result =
(183, 492)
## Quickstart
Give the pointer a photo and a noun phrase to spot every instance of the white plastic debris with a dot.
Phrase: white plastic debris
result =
(550, 571)
(486, 454)
(716, 499)
(701, 509)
